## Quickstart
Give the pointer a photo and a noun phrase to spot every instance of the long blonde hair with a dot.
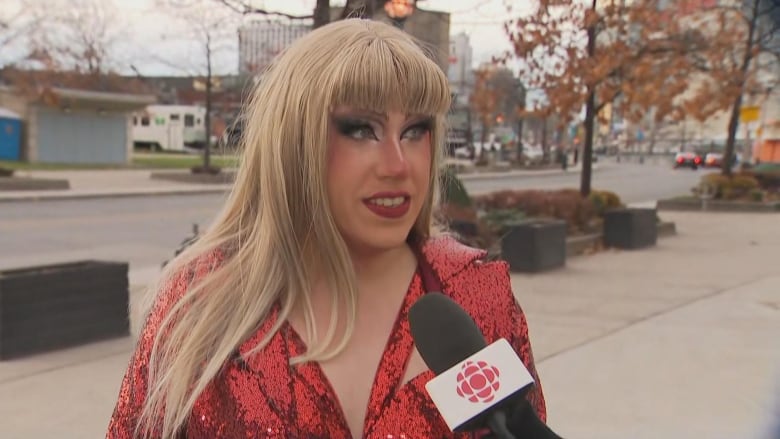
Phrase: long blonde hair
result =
(276, 222)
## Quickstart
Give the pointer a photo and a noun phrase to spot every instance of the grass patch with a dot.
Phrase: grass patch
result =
(139, 161)
(24, 166)
(181, 161)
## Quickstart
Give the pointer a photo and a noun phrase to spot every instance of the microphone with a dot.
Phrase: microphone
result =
(476, 385)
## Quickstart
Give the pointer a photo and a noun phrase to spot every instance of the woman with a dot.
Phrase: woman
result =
(287, 318)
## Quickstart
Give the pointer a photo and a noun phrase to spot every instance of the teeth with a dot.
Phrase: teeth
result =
(387, 202)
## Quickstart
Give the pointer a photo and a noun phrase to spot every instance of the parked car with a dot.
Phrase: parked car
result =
(687, 160)
(715, 160)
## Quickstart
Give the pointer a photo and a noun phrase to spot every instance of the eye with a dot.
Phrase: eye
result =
(418, 130)
(356, 129)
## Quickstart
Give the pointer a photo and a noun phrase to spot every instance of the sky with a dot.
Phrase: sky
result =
(153, 33)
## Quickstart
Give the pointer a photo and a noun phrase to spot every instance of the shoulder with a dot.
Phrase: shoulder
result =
(179, 280)
(448, 257)
(483, 288)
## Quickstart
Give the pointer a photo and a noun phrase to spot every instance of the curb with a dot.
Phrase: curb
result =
(519, 173)
(686, 205)
(32, 197)
(63, 195)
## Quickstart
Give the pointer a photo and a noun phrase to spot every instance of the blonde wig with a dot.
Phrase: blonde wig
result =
(276, 228)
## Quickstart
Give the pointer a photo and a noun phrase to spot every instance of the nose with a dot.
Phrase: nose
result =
(392, 159)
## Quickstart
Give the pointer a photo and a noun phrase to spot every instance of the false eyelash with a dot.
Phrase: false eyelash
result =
(346, 126)
(426, 125)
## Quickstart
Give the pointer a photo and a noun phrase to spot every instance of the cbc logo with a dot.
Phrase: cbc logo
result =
(478, 381)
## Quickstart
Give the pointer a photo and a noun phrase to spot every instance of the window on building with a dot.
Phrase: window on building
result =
(145, 121)
(175, 116)
(189, 120)
(135, 120)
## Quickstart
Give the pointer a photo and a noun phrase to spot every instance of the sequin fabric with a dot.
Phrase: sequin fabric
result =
(262, 396)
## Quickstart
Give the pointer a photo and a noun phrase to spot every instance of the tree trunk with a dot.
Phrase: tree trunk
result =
(519, 140)
(321, 13)
(545, 146)
(207, 118)
(590, 116)
(728, 153)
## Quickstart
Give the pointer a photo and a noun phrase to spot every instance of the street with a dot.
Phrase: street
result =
(633, 182)
(145, 230)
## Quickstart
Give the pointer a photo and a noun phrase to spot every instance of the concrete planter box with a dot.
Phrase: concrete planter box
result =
(535, 246)
(50, 307)
(630, 228)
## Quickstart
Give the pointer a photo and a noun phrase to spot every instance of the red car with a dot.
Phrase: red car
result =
(687, 160)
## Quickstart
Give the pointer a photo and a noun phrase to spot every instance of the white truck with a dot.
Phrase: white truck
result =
(170, 128)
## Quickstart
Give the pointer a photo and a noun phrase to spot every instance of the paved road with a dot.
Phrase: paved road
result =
(634, 183)
(145, 230)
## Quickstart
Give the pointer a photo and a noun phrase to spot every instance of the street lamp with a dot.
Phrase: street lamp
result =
(399, 10)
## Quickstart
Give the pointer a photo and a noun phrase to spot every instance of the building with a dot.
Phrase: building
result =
(259, 41)
(460, 71)
(69, 117)
(66, 125)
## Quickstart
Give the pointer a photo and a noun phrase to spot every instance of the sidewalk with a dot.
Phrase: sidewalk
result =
(677, 341)
(118, 183)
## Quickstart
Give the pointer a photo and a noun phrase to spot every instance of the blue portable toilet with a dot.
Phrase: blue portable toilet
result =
(10, 135)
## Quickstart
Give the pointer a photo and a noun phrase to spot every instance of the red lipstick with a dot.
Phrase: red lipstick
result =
(390, 206)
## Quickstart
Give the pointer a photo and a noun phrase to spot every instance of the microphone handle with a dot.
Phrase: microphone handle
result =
(526, 425)
(497, 423)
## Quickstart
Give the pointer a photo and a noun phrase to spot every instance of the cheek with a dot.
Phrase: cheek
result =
(339, 160)
(420, 164)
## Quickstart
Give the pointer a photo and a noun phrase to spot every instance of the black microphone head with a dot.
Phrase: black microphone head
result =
(443, 332)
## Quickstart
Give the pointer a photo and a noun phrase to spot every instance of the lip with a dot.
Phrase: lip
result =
(389, 212)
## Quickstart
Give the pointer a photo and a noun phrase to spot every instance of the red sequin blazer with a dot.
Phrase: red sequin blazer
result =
(261, 396)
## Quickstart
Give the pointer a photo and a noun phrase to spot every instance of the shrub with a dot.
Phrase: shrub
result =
(453, 190)
(604, 200)
(767, 175)
(728, 188)
(566, 204)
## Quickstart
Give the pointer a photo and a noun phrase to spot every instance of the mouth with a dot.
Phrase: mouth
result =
(389, 205)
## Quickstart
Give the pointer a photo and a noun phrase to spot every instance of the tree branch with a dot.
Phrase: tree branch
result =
(244, 8)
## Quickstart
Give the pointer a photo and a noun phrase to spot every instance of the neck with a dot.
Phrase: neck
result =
(371, 266)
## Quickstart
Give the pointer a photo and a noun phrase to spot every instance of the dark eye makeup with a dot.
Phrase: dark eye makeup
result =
(362, 129)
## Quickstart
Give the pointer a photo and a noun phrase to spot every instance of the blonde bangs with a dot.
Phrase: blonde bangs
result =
(378, 74)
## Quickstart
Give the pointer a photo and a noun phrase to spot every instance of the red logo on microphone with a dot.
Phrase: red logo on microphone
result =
(478, 381)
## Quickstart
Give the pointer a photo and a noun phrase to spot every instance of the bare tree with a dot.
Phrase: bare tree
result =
(321, 13)
(79, 36)
(212, 27)
(18, 22)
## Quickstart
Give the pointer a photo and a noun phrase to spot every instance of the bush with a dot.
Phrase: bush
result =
(498, 220)
(566, 204)
(729, 188)
(604, 200)
(741, 185)
(453, 190)
(767, 175)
